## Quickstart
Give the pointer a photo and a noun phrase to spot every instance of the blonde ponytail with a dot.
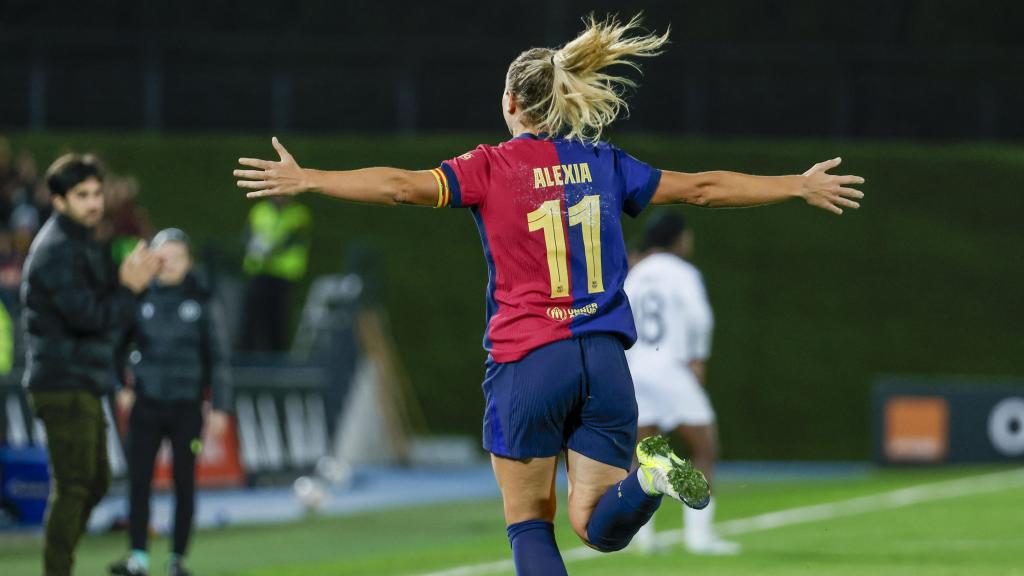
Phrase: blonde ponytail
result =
(564, 91)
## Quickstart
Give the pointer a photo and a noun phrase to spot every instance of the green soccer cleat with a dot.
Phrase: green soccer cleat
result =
(671, 475)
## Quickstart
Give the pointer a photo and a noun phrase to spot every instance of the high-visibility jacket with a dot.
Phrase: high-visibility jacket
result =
(278, 240)
(6, 341)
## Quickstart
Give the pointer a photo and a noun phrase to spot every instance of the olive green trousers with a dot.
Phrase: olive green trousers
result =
(76, 438)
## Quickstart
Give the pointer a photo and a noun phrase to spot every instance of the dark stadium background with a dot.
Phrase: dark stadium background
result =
(922, 98)
(874, 69)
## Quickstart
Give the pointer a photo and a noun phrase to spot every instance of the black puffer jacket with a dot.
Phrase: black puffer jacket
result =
(180, 347)
(73, 310)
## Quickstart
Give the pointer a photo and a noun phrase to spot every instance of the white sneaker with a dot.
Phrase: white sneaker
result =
(711, 546)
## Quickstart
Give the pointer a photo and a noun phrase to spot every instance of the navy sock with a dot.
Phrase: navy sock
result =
(534, 549)
(620, 513)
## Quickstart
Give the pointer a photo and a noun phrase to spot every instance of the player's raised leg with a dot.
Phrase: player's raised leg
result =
(528, 493)
(606, 504)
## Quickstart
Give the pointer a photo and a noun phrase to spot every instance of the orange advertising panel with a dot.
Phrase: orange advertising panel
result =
(916, 429)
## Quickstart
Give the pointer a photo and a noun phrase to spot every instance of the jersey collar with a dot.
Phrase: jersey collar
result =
(532, 136)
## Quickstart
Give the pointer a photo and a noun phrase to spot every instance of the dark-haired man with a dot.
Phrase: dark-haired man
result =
(75, 304)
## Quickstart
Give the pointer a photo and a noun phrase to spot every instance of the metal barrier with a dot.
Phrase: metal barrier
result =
(281, 419)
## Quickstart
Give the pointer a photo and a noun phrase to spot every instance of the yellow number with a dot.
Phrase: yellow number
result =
(586, 214)
(549, 219)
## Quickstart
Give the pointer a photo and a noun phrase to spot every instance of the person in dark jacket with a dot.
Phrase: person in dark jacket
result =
(180, 357)
(75, 303)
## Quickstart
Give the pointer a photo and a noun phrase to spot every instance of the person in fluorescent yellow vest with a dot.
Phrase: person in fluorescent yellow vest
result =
(276, 257)
(6, 340)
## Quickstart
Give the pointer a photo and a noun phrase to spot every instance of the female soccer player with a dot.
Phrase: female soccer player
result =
(547, 204)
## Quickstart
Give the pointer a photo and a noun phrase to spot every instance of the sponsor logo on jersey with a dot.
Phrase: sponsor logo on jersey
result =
(560, 314)
(561, 174)
(189, 311)
(467, 156)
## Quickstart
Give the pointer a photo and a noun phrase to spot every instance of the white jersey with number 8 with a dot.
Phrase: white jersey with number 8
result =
(674, 325)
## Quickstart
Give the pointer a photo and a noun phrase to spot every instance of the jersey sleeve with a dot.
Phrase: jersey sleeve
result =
(462, 182)
(640, 181)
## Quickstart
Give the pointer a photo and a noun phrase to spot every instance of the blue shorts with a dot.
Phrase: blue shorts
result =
(572, 394)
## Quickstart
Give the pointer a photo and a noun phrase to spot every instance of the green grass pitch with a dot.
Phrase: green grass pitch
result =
(974, 534)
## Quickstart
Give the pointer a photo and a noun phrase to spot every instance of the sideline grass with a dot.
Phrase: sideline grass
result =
(977, 535)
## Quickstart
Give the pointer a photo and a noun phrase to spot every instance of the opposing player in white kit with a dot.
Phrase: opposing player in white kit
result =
(674, 324)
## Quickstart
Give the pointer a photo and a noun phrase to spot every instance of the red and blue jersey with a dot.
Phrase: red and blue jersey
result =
(549, 215)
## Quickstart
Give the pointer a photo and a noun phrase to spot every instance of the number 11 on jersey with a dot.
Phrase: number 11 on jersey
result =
(587, 215)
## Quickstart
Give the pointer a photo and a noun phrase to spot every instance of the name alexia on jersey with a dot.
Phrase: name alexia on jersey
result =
(561, 174)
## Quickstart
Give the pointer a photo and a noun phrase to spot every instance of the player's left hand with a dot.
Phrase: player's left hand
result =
(828, 191)
(282, 178)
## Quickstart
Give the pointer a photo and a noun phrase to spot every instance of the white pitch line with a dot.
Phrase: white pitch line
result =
(900, 498)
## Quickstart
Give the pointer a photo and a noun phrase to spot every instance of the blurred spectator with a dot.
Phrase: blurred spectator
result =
(124, 221)
(8, 179)
(25, 205)
(41, 201)
(10, 269)
(75, 302)
(6, 340)
(28, 170)
(25, 217)
(10, 278)
(180, 356)
(276, 256)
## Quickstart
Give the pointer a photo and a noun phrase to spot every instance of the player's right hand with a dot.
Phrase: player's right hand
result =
(282, 178)
(829, 192)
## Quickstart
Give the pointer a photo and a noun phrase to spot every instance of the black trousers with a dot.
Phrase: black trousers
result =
(151, 421)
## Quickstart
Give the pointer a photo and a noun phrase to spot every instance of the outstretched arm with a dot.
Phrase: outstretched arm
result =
(734, 190)
(388, 186)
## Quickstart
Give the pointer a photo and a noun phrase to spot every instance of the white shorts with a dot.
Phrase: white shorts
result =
(670, 397)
